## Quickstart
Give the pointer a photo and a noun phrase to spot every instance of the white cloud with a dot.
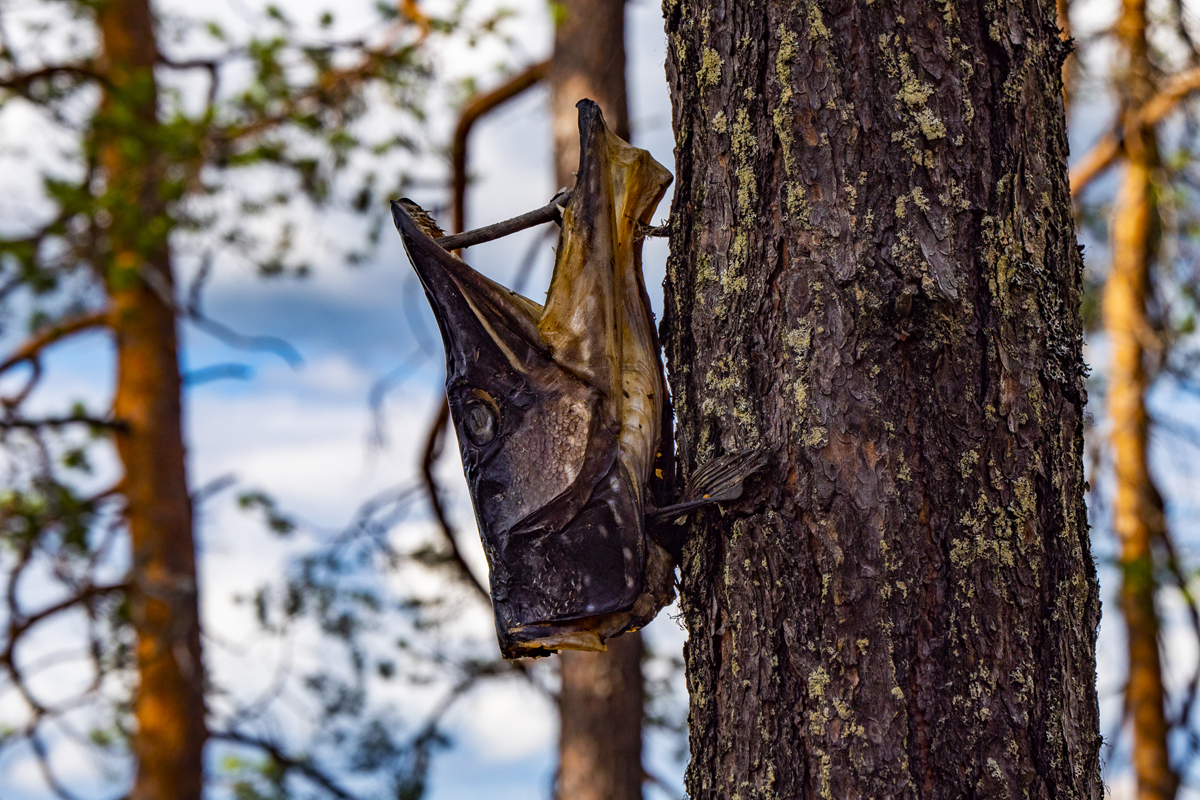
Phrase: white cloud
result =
(507, 721)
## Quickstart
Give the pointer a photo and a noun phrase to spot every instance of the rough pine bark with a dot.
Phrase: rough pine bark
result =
(874, 274)
(169, 706)
(601, 704)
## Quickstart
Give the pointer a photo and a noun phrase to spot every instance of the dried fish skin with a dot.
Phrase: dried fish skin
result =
(559, 411)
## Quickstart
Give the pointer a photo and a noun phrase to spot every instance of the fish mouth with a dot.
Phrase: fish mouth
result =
(524, 634)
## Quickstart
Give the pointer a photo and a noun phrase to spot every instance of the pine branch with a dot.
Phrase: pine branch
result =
(20, 623)
(1111, 146)
(474, 109)
(1095, 162)
(433, 448)
(20, 423)
(303, 766)
(22, 81)
(34, 345)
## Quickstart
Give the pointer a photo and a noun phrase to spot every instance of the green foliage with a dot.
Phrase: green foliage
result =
(276, 522)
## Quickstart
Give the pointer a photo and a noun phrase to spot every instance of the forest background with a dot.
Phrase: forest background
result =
(319, 431)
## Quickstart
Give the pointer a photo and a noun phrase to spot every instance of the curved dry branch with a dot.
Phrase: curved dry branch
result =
(1093, 164)
(22, 623)
(1111, 146)
(34, 345)
(433, 449)
(472, 111)
(303, 766)
(21, 81)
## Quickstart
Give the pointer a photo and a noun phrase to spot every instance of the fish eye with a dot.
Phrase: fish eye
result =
(480, 422)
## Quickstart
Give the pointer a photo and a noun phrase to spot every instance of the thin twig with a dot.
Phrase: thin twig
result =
(433, 449)
(43, 758)
(551, 212)
(59, 422)
(195, 313)
(23, 623)
(303, 766)
(22, 81)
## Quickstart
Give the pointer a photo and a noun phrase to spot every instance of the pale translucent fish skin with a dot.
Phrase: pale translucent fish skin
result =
(559, 410)
(597, 320)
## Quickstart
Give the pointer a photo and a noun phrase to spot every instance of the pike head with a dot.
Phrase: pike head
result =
(559, 410)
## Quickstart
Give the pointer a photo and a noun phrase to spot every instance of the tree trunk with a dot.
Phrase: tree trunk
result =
(874, 274)
(588, 61)
(1136, 508)
(601, 699)
(169, 704)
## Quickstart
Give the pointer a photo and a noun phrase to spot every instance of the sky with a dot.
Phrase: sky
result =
(302, 433)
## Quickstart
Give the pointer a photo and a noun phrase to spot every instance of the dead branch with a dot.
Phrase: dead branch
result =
(1177, 89)
(433, 449)
(43, 758)
(59, 422)
(551, 212)
(1095, 162)
(301, 765)
(472, 111)
(211, 65)
(32, 346)
(35, 376)
(1111, 146)
(195, 313)
(21, 82)
(19, 624)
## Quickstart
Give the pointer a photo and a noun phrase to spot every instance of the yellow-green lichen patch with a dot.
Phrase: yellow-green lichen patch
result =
(797, 204)
(781, 118)
(1026, 494)
(745, 146)
(783, 62)
(816, 23)
(818, 681)
(710, 68)
(931, 127)
(919, 198)
(967, 463)
(723, 377)
(913, 91)
(817, 437)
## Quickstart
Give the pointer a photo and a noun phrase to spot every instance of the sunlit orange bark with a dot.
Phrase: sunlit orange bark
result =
(600, 741)
(1127, 328)
(169, 704)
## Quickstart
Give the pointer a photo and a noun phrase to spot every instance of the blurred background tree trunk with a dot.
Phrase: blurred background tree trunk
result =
(874, 273)
(1137, 517)
(169, 703)
(601, 699)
